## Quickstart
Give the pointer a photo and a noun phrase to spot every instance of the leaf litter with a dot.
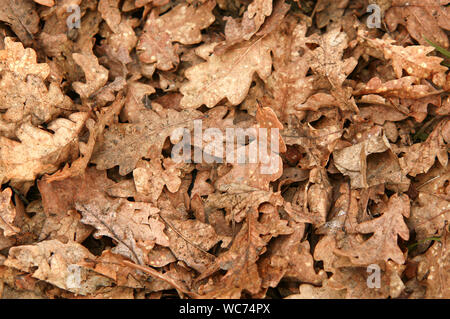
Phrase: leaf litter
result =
(94, 101)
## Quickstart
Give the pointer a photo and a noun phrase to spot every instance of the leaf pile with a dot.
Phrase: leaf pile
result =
(94, 206)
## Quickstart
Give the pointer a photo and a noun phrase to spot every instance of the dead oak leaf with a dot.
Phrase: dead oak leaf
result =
(228, 75)
(354, 281)
(430, 210)
(96, 75)
(327, 11)
(122, 40)
(24, 93)
(7, 214)
(58, 264)
(434, 268)
(327, 59)
(422, 18)
(239, 262)
(60, 196)
(413, 59)
(307, 291)
(288, 257)
(155, 46)
(150, 177)
(39, 152)
(111, 265)
(137, 93)
(182, 24)
(289, 84)
(386, 228)
(370, 162)
(252, 20)
(124, 144)
(48, 3)
(22, 17)
(237, 203)
(134, 225)
(190, 240)
(96, 128)
(420, 157)
(406, 87)
(267, 167)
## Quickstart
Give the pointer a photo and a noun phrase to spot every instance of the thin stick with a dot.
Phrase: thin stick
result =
(185, 239)
(154, 273)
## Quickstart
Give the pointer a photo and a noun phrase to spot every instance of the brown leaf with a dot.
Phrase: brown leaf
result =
(150, 177)
(383, 244)
(96, 75)
(25, 95)
(370, 162)
(190, 240)
(7, 214)
(181, 24)
(307, 291)
(135, 226)
(22, 17)
(288, 257)
(96, 129)
(354, 280)
(431, 209)
(228, 75)
(39, 151)
(252, 20)
(125, 143)
(57, 263)
(412, 59)
(239, 262)
(434, 268)
(425, 18)
(420, 157)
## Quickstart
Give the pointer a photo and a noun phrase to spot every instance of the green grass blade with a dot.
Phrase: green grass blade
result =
(438, 48)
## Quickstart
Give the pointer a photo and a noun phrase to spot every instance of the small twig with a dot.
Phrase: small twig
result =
(185, 239)
(157, 274)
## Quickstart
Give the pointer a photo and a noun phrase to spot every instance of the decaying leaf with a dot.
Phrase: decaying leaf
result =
(224, 149)
(39, 152)
(7, 214)
(422, 19)
(420, 157)
(382, 246)
(125, 143)
(182, 24)
(134, 226)
(57, 263)
(228, 75)
(24, 94)
(365, 169)
(434, 267)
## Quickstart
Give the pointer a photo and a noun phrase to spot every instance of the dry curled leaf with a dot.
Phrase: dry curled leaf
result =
(39, 152)
(25, 95)
(228, 75)
(434, 268)
(56, 263)
(422, 19)
(135, 226)
(320, 168)
(125, 143)
(7, 214)
(382, 246)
